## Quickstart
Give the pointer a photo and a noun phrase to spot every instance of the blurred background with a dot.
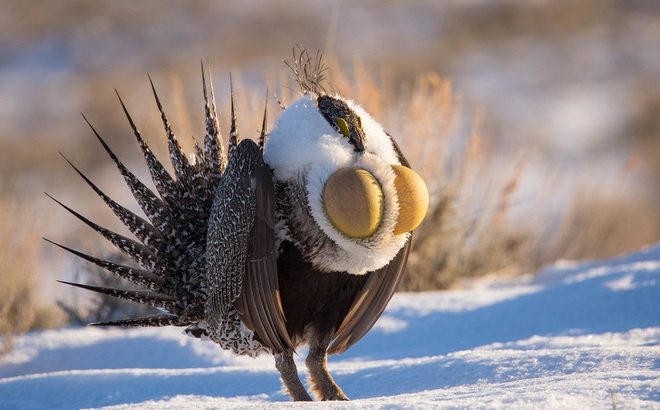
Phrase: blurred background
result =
(535, 123)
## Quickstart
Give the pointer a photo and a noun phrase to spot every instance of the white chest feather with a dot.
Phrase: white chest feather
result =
(304, 150)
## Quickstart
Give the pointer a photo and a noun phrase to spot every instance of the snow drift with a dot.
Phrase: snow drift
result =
(577, 335)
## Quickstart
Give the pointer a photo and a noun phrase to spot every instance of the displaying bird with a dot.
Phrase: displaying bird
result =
(299, 239)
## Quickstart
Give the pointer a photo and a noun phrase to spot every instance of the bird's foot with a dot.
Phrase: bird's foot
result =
(287, 368)
(323, 386)
(335, 396)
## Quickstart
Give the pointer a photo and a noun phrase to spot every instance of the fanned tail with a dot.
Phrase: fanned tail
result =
(149, 321)
(140, 277)
(146, 297)
(170, 243)
(234, 139)
(213, 149)
(262, 134)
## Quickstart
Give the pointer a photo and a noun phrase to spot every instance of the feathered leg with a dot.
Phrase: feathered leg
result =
(323, 386)
(287, 368)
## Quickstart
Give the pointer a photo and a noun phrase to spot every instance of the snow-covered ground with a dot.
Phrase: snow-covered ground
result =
(574, 336)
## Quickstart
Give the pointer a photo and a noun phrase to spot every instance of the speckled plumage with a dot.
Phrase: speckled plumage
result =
(171, 246)
(233, 248)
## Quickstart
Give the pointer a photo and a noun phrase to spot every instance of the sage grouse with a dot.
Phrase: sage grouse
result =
(297, 240)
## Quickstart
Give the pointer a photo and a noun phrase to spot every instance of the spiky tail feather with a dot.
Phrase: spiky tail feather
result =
(171, 242)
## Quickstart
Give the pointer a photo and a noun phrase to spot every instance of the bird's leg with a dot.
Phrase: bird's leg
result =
(322, 384)
(287, 368)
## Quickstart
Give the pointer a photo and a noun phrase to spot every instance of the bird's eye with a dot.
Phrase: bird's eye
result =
(343, 126)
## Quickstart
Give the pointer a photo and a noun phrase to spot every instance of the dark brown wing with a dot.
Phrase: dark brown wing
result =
(241, 249)
(370, 302)
(259, 302)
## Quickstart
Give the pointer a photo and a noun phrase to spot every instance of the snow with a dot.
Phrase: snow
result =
(576, 335)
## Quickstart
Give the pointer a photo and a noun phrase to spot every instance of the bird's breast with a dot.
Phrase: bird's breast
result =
(343, 217)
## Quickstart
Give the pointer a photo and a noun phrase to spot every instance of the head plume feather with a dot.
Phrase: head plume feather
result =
(309, 71)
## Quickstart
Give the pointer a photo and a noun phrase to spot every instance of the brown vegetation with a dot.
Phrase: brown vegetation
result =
(21, 304)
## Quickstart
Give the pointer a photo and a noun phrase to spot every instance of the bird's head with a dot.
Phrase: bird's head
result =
(360, 190)
(346, 122)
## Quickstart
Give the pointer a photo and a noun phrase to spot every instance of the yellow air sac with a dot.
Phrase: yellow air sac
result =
(413, 198)
(353, 201)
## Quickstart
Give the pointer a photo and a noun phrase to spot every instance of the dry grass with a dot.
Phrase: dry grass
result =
(21, 306)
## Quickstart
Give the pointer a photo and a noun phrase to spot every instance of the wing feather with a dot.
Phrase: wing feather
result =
(261, 280)
(370, 302)
(242, 261)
